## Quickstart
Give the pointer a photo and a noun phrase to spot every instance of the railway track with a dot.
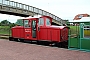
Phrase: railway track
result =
(4, 36)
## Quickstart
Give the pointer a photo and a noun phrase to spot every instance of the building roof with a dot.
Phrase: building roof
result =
(84, 19)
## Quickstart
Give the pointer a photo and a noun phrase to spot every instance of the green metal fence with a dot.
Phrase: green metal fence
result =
(81, 39)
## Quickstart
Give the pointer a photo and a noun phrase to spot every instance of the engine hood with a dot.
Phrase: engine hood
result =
(58, 27)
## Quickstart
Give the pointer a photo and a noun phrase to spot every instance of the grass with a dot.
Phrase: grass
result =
(4, 30)
(74, 29)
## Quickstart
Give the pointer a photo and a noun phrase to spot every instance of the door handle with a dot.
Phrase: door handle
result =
(38, 28)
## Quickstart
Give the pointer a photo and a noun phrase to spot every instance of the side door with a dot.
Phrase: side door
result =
(34, 29)
(41, 30)
(74, 38)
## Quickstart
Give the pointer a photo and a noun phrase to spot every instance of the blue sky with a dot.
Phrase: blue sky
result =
(65, 9)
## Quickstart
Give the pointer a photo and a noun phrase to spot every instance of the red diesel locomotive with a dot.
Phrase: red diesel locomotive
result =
(39, 29)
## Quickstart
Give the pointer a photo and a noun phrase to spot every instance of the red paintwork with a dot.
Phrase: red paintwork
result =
(46, 33)
(17, 31)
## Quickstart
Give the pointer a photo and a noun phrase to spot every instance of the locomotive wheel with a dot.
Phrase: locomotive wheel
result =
(58, 44)
(15, 39)
(64, 44)
(11, 39)
(20, 40)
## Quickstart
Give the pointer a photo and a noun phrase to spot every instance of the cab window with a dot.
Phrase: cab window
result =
(26, 24)
(33, 23)
(41, 21)
(48, 21)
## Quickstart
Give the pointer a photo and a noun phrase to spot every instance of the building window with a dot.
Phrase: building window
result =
(41, 21)
(48, 21)
(86, 31)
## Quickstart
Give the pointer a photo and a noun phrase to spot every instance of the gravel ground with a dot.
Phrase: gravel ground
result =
(11, 50)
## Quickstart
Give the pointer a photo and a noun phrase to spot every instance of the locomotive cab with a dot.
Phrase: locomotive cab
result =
(33, 26)
(30, 28)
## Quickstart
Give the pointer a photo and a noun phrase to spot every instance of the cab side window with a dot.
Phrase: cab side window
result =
(48, 21)
(34, 24)
(26, 24)
(41, 21)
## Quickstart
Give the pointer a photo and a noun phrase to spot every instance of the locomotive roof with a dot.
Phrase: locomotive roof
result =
(36, 17)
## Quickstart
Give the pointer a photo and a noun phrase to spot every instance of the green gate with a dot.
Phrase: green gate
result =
(80, 39)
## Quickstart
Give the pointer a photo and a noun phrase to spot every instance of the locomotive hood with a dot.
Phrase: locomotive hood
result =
(58, 27)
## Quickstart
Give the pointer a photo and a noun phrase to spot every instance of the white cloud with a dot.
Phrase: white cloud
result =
(10, 18)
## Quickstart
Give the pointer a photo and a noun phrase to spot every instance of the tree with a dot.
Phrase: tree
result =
(0, 23)
(5, 22)
(12, 25)
(19, 22)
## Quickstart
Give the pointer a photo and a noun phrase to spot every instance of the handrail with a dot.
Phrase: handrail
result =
(28, 8)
